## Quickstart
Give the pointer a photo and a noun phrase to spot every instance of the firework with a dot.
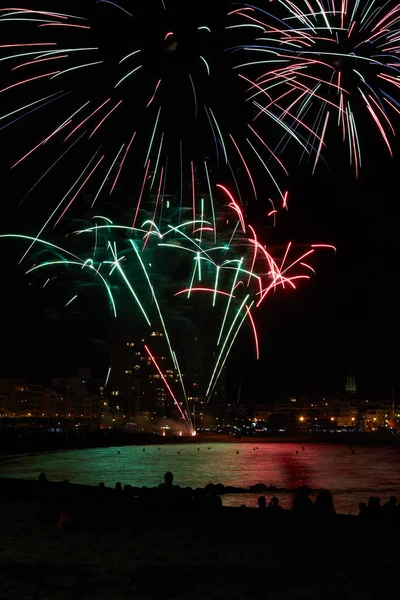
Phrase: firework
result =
(176, 111)
(324, 64)
(224, 274)
(167, 105)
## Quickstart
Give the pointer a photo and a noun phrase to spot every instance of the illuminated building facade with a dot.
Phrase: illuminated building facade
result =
(23, 399)
(75, 397)
(135, 383)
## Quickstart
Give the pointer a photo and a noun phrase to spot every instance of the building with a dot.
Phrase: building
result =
(137, 380)
(375, 418)
(262, 412)
(75, 397)
(10, 390)
(348, 415)
(23, 399)
(33, 401)
(351, 387)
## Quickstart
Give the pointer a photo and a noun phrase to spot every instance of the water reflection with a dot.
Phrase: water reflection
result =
(351, 477)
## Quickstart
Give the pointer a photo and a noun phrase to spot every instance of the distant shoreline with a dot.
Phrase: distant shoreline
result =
(35, 444)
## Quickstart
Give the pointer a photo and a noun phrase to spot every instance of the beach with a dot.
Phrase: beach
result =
(146, 554)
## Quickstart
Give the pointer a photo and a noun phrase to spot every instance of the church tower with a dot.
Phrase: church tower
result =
(351, 386)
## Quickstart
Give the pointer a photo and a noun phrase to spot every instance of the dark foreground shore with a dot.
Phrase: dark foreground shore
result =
(125, 552)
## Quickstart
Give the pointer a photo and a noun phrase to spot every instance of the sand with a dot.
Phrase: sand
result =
(146, 555)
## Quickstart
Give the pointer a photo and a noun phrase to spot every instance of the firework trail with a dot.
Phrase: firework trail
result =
(158, 111)
(168, 91)
(305, 69)
(325, 64)
(225, 273)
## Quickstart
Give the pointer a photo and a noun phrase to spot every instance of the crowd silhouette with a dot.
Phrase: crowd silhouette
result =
(167, 498)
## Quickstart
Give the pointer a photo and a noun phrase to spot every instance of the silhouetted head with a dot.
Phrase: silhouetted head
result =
(262, 502)
(324, 502)
(168, 478)
(209, 488)
(362, 507)
(118, 486)
(304, 491)
(275, 501)
(101, 485)
(43, 478)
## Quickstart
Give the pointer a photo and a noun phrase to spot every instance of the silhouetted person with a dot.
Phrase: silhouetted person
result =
(362, 507)
(212, 500)
(43, 487)
(42, 478)
(302, 504)
(168, 481)
(128, 494)
(237, 451)
(374, 508)
(65, 519)
(62, 503)
(168, 492)
(274, 506)
(118, 487)
(262, 502)
(323, 505)
(390, 509)
(198, 499)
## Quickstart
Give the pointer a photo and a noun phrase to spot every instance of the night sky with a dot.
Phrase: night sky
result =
(345, 319)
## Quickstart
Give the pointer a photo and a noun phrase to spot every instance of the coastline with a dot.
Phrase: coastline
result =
(39, 443)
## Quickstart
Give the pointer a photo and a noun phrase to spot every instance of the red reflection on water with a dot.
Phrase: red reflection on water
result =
(297, 472)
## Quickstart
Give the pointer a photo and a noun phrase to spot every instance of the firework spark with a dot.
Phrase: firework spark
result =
(225, 275)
